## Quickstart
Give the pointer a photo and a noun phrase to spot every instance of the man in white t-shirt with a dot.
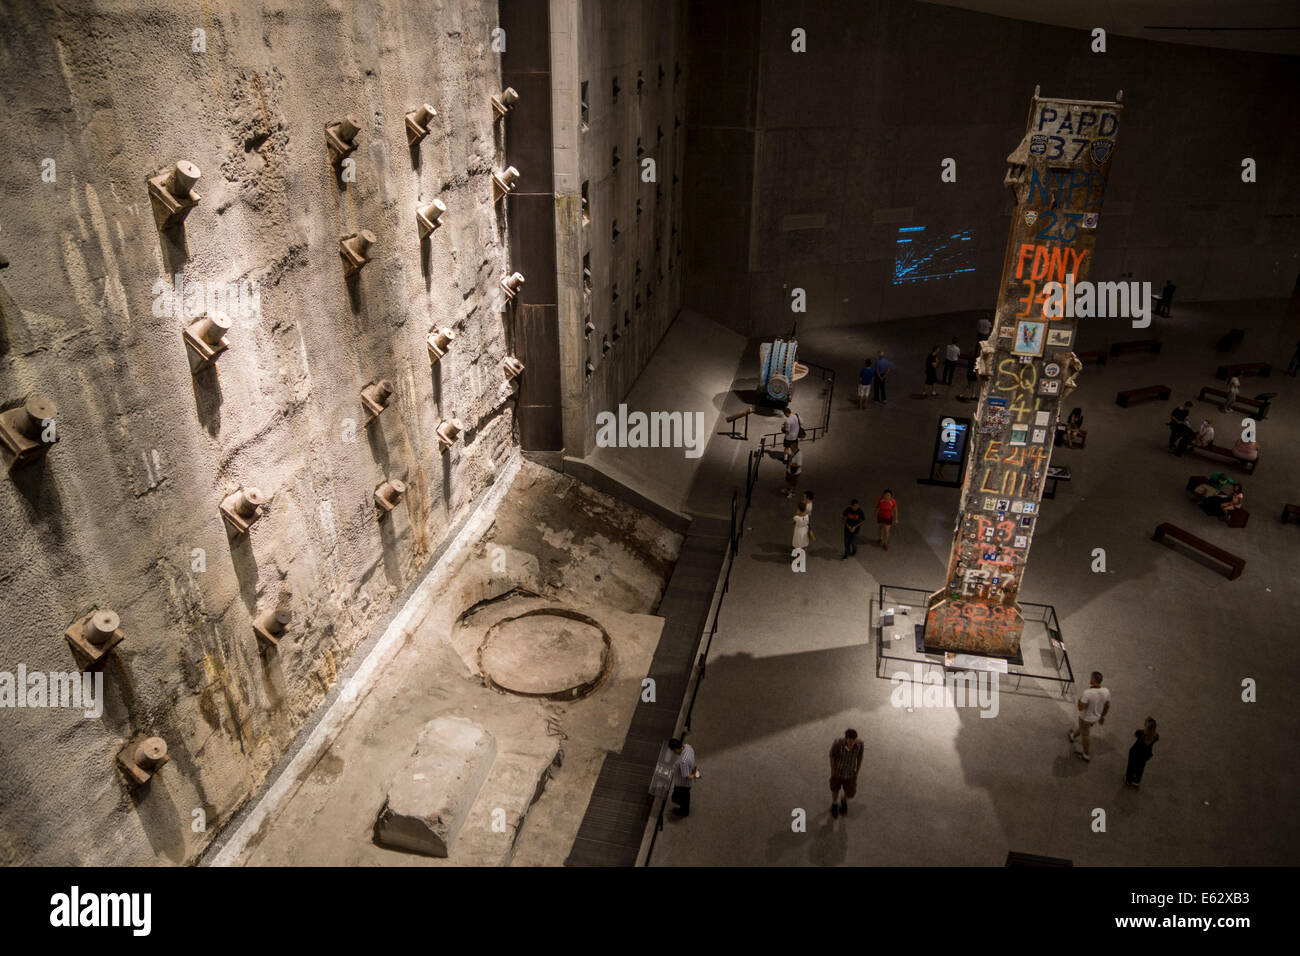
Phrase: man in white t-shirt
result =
(790, 429)
(950, 359)
(1094, 704)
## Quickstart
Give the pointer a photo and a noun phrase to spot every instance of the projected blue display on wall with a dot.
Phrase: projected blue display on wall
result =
(921, 254)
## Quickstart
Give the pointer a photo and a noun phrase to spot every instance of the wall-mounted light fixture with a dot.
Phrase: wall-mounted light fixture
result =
(504, 182)
(503, 102)
(142, 758)
(243, 508)
(172, 194)
(93, 635)
(27, 432)
(376, 396)
(418, 123)
(205, 340)
(512, 284)
(448, 432)
(439, 342)
(341, 138)
(388, 496)
(355, 249)
(428, 217)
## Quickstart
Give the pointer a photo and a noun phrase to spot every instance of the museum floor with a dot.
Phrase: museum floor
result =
(793, 661)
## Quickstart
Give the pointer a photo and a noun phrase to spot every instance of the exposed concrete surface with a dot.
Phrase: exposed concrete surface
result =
(793, 661)
(328, 817)
(430, 797)
(112, 95)
(691, 372)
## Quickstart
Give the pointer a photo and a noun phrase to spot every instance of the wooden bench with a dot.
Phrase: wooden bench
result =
(1231, 340)
(1257, 408)
(1161, 392)
(1226, 453)
(1054, 474)
(1098, 356)
(1234, 563)
(1290, 513)
(1151, 346)
(1226, 372)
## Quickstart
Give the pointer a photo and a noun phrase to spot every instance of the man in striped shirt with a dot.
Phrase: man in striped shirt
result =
(846, 761)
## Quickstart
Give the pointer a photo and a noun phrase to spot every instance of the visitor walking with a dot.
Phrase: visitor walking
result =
(886, 516)
(685, 773)
(1094, 704)
(865, 375)
(846, 760)
(791, 431)
(854, 517)
(793, 469)
(985, 328)
(802, 533)
(950, 361)
(1234, 386)
(808, 503)
(883, 368)
(972, 380)
(932, 372)
(1166, 297)
(1140, 752)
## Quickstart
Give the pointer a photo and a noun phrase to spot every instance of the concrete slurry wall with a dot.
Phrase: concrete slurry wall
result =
(613, 41)
(802, 167)
(116, 514)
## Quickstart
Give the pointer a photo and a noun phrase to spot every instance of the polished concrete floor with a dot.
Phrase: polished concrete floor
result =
(793, 662)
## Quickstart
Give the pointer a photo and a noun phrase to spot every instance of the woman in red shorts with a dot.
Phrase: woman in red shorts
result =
(886, 516)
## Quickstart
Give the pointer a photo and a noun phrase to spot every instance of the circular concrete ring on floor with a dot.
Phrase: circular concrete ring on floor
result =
(548, 652)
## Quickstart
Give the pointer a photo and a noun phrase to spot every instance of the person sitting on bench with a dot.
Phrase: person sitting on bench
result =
(1221, 505)
(1180, 433)
(1234, 388)
(1070, 430)
(1073, 425)
(1204, 436)
(1245, 450)
(1213, 485)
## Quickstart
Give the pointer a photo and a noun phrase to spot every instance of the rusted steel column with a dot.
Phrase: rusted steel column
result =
(1058, 175)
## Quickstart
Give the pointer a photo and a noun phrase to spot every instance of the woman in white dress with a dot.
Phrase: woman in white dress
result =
(801, 531)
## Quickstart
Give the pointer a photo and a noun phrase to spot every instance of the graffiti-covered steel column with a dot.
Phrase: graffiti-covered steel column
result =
(1058, 174)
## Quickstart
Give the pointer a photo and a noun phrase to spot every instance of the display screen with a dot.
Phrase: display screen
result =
(952, 440)
(921, 254)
